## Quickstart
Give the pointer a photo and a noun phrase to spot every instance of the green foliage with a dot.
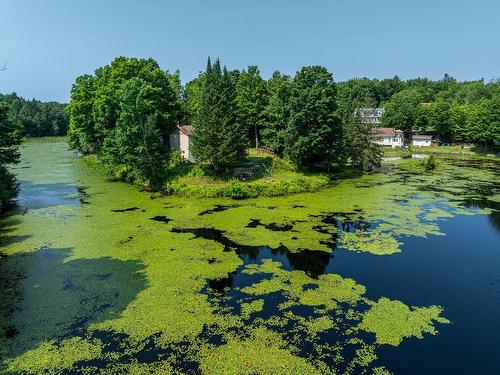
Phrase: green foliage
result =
(217, 139)
(277, 113)
(9, 154)
(192, 95)
(81, 125)
(36, 118)
(134, 148)
(361, 148)
(457, 111)
(251, 100)
(125, 113)
(236, 189)
(314, 134)
(281, 165)
(429, 163)
(402, 110)
(96, 102)
(364, 90)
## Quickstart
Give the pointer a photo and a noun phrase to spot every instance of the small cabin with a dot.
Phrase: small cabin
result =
(421, 140)
(389, 137)
(180, 139)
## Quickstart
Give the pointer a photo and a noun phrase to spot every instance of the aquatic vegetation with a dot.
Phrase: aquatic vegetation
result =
(251, 307)
(392, 321)
(265, 352)
(329, 289)
(374, 242)
(105, 278)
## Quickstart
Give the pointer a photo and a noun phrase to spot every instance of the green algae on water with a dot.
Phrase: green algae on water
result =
(392, 321)
(95, 285)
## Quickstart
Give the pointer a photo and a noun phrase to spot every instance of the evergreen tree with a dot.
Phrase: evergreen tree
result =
(251, 99)
(10, 140)
(217, 139)
(361, 148)
(277, 112)
(314, 133)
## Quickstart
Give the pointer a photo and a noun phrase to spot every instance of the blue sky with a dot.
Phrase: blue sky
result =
(48, 43)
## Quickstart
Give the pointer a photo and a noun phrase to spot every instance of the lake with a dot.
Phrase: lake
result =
(394, 272)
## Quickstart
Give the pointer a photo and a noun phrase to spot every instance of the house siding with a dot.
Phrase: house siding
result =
(182, 142)
(421, 142)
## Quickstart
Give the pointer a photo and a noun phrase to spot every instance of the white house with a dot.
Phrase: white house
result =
(180, 139)
(389, 137)
(421, 140)
(370, 115)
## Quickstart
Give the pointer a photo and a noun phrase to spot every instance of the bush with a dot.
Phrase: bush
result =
(236, 189)
(429, 164)
(281, 165)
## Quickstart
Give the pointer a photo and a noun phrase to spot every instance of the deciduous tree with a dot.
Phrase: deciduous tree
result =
(314, 132)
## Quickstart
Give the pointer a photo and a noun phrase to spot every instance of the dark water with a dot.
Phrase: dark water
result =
(459, 271)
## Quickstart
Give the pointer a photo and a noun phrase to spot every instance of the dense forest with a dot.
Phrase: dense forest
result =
(10, 138)
(36, 118)
(124, 112)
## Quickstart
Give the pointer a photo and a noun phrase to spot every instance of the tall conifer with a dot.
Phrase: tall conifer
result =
(218, 140)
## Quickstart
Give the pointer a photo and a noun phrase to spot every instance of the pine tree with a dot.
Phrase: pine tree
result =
(361, 148)
(218, 140)
(10, 140)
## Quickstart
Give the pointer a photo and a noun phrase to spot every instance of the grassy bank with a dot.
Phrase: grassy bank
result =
(442, 150)
(258, 175)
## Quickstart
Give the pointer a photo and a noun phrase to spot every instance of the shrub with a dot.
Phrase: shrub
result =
(236, 189)
(429, 163)
(281, 165)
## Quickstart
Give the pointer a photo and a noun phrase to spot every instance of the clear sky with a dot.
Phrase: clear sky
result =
(48, 43)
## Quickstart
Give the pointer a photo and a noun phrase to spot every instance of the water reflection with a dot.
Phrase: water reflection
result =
(312, 262)
(35, 196)
(69, 294)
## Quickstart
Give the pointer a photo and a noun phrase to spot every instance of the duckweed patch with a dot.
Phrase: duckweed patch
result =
(392, 321)
(187, 285)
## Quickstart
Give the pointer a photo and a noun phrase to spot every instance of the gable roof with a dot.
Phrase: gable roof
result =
(390, 132)
(186, 129)
(422, 136)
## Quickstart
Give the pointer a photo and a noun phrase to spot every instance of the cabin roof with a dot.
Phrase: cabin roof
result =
(186, 129)
(390, 132)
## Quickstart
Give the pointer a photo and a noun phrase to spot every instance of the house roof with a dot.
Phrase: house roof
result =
(390, 132)
(422, 136)
(186, 129)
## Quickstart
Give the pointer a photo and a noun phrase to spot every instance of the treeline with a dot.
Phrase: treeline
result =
(10, 138)
(456, 111)
(36, 118)
(125, 111)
